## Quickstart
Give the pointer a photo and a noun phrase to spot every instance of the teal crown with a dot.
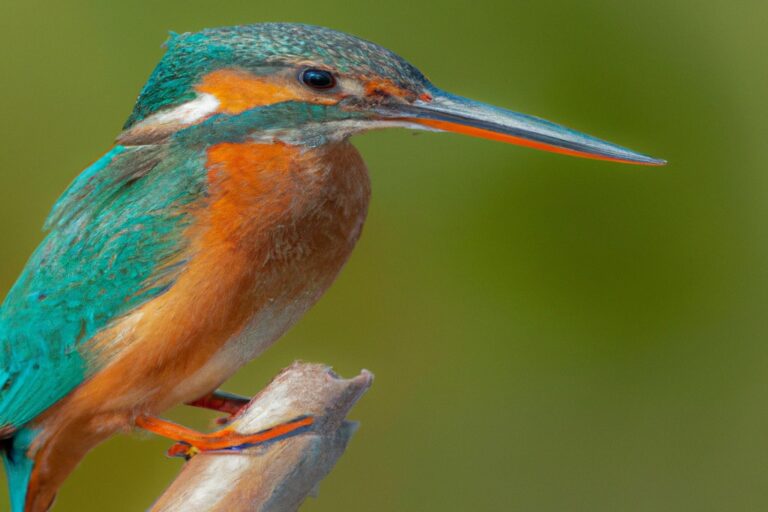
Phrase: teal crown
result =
(260, 48)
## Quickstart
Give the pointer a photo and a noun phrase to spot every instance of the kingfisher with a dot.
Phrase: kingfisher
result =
(228, 205)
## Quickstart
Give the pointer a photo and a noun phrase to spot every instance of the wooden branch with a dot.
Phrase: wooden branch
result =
(278, 476)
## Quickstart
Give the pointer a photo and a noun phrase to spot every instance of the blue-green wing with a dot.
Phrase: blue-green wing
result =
(115, 241)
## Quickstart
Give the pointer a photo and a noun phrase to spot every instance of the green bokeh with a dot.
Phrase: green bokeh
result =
(547, 333)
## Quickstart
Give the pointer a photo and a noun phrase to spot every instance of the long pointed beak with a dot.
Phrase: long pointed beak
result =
(442, 111)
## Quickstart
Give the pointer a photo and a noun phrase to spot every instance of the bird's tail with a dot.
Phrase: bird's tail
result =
(18, 466)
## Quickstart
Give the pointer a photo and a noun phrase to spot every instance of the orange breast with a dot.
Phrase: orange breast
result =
(279, 224)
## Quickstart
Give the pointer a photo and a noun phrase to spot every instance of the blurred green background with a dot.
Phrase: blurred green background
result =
(547, 333)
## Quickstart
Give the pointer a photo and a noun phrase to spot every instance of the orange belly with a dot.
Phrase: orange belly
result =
(277, 227)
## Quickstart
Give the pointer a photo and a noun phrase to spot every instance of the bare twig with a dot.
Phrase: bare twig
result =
(277, 476)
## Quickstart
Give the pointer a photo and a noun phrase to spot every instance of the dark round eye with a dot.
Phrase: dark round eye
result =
(318, 79)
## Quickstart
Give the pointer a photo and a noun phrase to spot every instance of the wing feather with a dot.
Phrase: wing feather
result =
(116, 240)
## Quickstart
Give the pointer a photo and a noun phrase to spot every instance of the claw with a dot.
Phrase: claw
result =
(182, 450)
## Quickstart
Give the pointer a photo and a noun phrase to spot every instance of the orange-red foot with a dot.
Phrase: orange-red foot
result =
(221, 401)
(191, 442)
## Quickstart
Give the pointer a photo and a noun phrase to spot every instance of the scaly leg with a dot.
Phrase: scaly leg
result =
(221, 401)
(223, 440)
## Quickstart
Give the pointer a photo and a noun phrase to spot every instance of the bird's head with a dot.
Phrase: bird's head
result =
(311, 85)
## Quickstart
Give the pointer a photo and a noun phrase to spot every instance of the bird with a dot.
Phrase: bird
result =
(229, 203)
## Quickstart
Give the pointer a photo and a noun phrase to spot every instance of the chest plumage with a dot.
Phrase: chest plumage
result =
(273, 228)
(271, 233)
(278, 225)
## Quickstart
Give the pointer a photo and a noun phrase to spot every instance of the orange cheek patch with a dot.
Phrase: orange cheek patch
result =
(238, 91)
